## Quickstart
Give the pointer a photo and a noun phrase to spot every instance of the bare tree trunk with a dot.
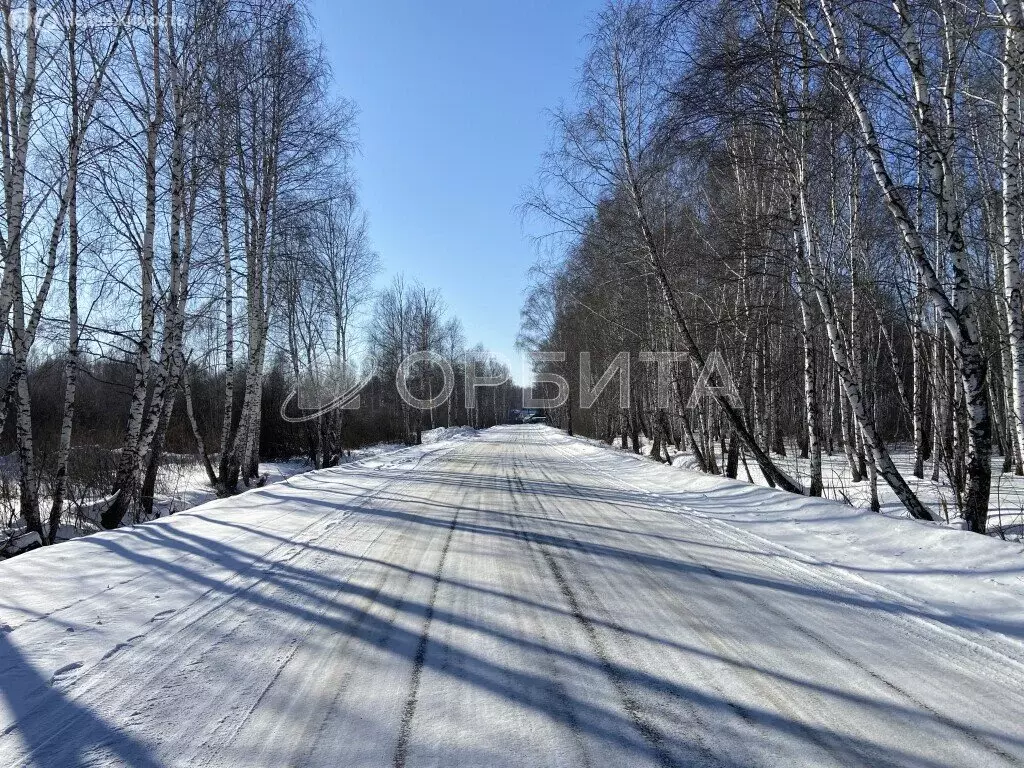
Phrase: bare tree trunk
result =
(204, 456)
(125, 484)
(17, 122)
(1012, 66)
(71, 360)
(227, 431)
(813, 410)
(920, 388)
(627, 157)
(940, 404)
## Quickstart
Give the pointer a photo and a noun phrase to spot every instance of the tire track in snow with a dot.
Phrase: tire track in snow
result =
(651, 735)
(381, 639)
(409, 711)
(654, 738)
(555, 688)
(220, 737)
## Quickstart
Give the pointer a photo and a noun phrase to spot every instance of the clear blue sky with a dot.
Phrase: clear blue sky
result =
(453, 100)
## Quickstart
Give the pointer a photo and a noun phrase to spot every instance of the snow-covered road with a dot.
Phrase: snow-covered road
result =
(514, 599)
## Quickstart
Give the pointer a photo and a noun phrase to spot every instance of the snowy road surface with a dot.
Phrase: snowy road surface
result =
(508, 600)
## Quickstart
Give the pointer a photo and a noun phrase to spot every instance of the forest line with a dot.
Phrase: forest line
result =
(828, 194)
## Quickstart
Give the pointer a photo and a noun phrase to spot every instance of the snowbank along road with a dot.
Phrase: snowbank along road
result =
(514, 599)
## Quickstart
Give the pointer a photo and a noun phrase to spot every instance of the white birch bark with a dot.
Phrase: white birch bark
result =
(126, 483)
(1010, 134)
(81, 117)
(227, 411)
(17, 121)
(811, 405)
(958, 311)
(844, 367)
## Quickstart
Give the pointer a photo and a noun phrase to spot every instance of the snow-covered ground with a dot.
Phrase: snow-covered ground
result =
(1006, 511)
(181, 484)
(515, 598)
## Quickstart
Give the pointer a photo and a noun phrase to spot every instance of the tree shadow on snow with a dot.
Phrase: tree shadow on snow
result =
(55, 729)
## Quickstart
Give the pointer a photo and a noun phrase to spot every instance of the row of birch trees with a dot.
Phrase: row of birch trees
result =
(827, 196)
(172, 170)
